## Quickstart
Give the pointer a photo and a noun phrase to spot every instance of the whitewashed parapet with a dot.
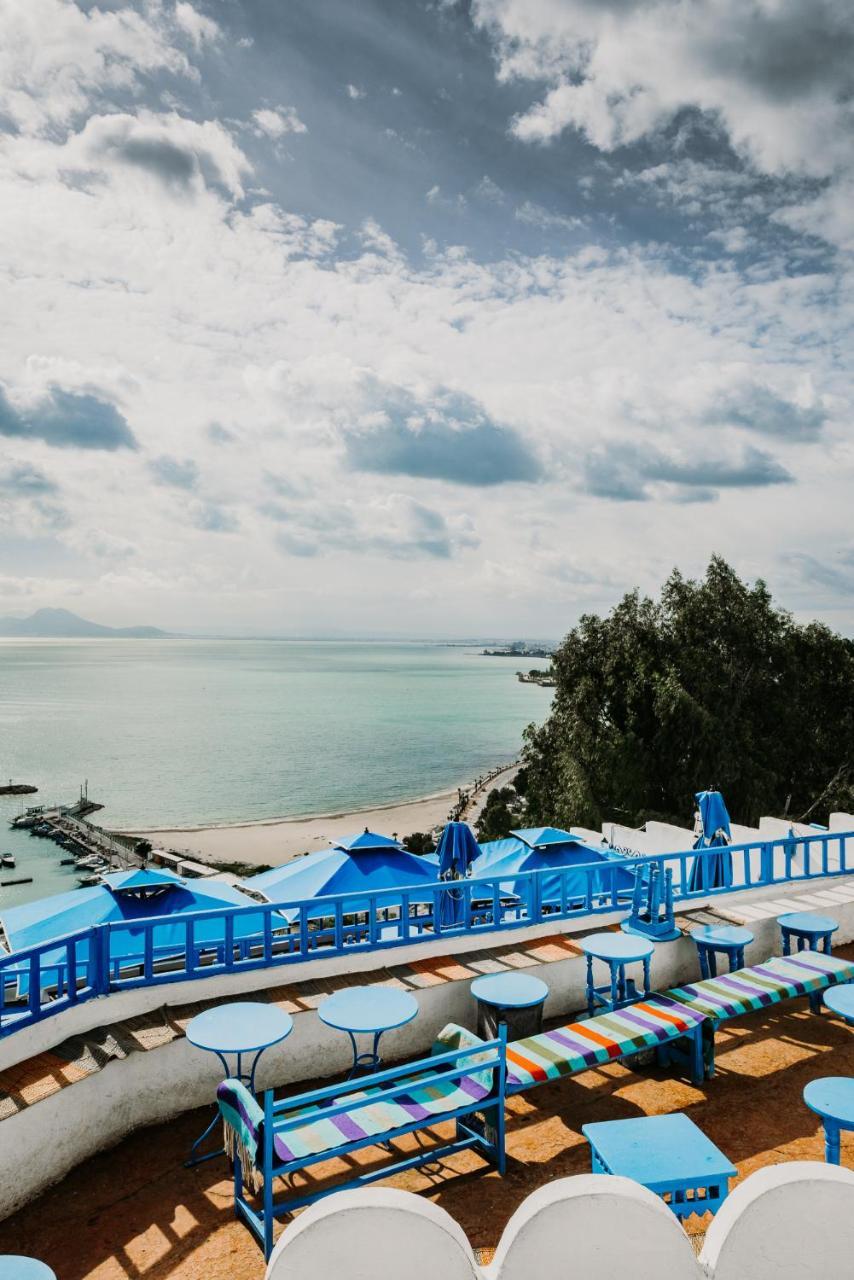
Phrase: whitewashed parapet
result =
(788, 1222)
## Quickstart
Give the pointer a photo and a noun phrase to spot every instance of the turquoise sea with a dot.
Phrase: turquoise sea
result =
(187, 732)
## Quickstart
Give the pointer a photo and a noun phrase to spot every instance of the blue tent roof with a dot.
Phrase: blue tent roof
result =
(336, 871)
(143, 880)
(62, 913)
(457, 849)
(512, 856)
(545, 837)
(366, 840)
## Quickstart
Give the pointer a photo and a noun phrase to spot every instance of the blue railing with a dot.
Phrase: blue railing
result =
(40, 981)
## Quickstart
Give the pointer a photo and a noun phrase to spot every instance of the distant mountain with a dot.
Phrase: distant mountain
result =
(63, 625)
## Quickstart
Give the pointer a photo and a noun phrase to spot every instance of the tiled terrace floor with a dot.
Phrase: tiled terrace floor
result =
(136, 1212)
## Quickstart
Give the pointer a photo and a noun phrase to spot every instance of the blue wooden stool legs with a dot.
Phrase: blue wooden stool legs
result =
(591, 991)
(831, 1142)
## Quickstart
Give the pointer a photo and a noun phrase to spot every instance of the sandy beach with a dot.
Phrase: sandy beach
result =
(279, 840)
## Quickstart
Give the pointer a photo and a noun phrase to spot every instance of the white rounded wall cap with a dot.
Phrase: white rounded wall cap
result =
(790, 1221)
(593, 1226)
(374, 1233)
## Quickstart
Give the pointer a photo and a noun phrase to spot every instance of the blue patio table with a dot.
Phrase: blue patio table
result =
(14, 1266)
(516, 999)
(236, 1031)
(841, 1000)
(729, 940)
(667, 1154)
(809, 931)
(832, 1098)
(616, 950)
(367, 1011)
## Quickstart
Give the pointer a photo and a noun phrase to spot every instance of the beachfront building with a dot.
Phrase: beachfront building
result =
(511, 1020)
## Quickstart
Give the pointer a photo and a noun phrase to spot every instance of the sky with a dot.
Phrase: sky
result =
(425, 319)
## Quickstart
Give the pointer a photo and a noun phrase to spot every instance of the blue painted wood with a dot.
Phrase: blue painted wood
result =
(479, 1126)
(832, 1098)
(367, 1011)
(840, 1000)
(728, 940)
(616, 950)
(667, 1154)
(488, 908)
(810, 932)
(14, 1266)
(233, 1031)
(510, 990)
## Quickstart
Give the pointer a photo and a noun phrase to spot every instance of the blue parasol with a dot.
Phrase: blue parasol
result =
(712, 871)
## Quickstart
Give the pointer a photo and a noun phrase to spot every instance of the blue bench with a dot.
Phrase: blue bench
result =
(463, 1080)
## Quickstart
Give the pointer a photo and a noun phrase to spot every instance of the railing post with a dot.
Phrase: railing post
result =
(766, 874)
(100, 952)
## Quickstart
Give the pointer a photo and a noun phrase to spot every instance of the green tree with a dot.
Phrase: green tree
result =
(710, 685)
(500, 813)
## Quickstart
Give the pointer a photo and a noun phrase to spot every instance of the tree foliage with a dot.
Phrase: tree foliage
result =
(709, 686)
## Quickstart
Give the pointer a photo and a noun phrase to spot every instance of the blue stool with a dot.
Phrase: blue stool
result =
(617, 950)
(810, 932)
(14, 1266)
(840, 1000)
(729, 940)
(832, 1098)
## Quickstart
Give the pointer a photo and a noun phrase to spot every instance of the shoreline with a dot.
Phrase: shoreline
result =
(273, 841)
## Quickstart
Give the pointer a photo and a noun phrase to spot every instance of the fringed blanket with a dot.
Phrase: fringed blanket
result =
(242, 1121)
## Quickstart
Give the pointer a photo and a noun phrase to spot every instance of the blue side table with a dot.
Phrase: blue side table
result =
(840, 999)
(832, 1098)
(616, 950)
(235, 1031)
(809, 931)
(367, 1011)
(667, 1154)
(14, 1266)
(727, 940)
(516, 999)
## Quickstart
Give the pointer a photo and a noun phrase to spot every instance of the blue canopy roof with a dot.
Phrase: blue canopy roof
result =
(512, 856)
(122, 897)
(457, 849)
(366, 840)
(544, 837)
(337, 871)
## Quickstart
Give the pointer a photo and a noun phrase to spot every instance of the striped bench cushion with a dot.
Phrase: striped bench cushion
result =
(604, 1038)
(375, 1119)
(758, 985)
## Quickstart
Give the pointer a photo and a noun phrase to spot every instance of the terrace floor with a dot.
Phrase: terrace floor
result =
(136, 1212)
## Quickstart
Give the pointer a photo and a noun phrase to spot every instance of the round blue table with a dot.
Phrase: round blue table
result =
(616, 950)
(810, 932)
(236, 1031)
(516, 999)
(14, 1266)
(367, 1011)
(832, 1098)
(841, 1000)
(729, 940)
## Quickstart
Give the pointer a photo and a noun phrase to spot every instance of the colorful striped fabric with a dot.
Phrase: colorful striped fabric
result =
(368, 1115)
(604, 1038)
(758, 985)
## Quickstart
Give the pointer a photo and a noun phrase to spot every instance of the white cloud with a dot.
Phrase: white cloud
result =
(276, 122)
(774, 77)
(197, 26)
(355, 93)
(54, 56)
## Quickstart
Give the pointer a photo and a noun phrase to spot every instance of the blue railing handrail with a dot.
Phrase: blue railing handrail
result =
(39, 981)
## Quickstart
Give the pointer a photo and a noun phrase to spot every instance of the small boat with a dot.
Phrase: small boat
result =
(7, 860)
(87, 881)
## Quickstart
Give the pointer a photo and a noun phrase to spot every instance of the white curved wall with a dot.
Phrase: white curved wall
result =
(788, 1222)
